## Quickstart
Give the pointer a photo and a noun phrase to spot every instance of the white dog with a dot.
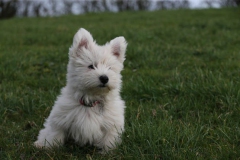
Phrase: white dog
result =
(89, 109)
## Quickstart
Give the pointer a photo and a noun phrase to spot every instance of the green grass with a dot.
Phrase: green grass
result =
(181, 82)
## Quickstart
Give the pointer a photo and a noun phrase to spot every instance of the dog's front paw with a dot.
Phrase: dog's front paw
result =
(102, 151)
(39, 144)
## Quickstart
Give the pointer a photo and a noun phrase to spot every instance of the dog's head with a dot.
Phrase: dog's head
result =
(95, 69)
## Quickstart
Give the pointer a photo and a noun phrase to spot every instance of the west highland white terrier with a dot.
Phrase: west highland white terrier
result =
(89, 108)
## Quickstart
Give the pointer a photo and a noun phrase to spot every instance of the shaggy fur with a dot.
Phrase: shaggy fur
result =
(89, 108)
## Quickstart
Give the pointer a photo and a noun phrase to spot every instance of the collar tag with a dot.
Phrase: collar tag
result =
(91, 104)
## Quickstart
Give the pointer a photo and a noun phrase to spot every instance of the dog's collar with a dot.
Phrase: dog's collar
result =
(90, 104)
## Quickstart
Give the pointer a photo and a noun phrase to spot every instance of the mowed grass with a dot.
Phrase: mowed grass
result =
(181, 82)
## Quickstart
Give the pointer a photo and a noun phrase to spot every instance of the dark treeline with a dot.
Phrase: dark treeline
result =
(26, 8)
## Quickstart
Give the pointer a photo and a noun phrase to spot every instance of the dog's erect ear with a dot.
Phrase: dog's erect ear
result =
(119, 46)
(82, 38)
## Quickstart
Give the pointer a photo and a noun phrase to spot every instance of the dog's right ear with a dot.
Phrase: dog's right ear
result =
(81, 40)
(119, 46)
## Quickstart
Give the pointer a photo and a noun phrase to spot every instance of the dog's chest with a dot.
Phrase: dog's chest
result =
(86, 124)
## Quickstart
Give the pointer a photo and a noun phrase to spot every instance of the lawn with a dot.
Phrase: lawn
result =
(181, 82)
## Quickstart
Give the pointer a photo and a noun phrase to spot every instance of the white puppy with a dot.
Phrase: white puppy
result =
(89, 109)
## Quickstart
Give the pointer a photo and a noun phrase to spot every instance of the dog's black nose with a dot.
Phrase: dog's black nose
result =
(103, 79)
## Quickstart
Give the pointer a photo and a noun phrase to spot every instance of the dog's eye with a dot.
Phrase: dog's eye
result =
(91, 67)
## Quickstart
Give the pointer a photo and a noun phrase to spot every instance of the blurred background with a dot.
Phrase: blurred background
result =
(39, 8)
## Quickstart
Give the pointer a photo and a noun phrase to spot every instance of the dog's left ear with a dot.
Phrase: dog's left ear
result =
(82, 39)
(118, 46)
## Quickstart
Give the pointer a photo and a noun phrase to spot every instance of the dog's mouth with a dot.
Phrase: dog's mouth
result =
(104, 86)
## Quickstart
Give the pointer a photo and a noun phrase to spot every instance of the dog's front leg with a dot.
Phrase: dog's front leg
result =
(50, 137)
(109, 142)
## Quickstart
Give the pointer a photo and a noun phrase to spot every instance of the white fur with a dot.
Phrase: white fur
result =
(102, 124)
